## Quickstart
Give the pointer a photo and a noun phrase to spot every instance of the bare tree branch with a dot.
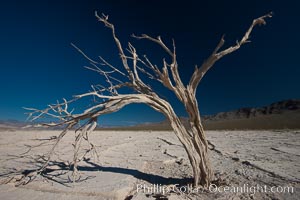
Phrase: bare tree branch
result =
(216, 55)
(104, 19)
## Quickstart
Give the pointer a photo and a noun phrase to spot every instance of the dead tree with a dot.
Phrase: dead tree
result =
(192, 137)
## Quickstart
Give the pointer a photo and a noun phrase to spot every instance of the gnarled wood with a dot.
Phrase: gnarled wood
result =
(192, 137)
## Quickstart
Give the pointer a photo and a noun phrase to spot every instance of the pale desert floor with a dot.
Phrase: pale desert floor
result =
(129, 160)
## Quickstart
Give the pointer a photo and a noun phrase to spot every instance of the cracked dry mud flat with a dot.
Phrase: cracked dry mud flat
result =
(128, 160)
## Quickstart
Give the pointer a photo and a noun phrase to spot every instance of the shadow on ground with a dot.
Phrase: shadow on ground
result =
(150, 178)
(56, 174)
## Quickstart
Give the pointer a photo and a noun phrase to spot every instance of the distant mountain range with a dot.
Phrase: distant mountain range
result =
(11, 124)
(281, 107)
(279, 115)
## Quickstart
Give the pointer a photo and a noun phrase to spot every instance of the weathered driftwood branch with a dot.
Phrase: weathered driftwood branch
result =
(111, 100)
(216, 55)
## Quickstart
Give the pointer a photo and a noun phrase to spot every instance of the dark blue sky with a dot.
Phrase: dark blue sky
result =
(38, 65)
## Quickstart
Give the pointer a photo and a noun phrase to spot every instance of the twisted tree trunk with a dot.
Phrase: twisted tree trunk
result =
(197, 150)
(194, 141)
(192, 137)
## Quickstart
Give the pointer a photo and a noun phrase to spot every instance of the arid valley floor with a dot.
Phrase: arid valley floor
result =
(131, 163)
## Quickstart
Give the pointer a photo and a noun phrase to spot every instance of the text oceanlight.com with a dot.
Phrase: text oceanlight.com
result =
(188, 189)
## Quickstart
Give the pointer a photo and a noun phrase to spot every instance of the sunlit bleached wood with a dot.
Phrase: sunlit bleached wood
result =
(217, 54)
(109, 99)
